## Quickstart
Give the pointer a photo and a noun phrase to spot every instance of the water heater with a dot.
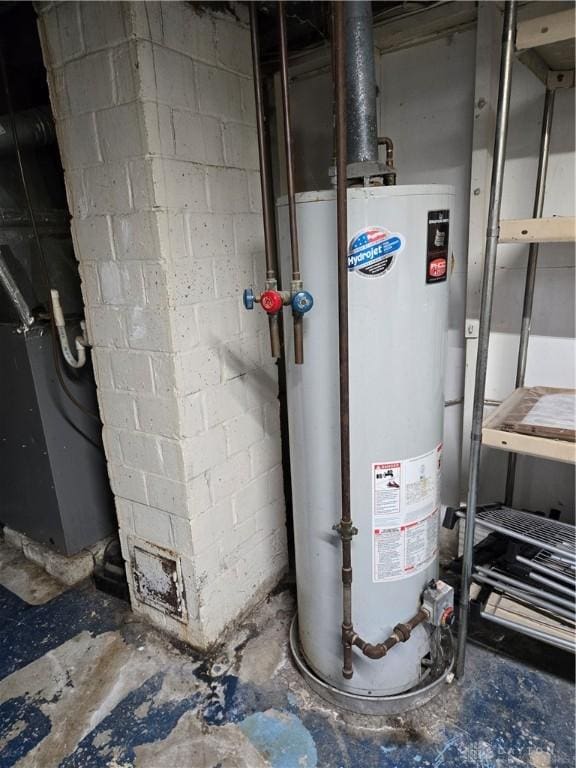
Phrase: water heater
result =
(398, 265)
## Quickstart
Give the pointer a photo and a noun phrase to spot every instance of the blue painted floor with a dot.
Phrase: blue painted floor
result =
(83, 683)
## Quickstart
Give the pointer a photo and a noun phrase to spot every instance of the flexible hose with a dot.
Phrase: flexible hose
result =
(80, 342)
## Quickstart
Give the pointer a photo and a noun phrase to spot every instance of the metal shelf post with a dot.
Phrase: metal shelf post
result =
(492, 233)
(531, 272)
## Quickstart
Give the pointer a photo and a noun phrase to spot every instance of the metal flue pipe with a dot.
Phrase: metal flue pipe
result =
(296, 277)
(361, 128)
(265, 182)
(492, 233)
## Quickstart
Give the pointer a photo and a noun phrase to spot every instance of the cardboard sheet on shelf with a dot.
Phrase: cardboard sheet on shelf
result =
(543, 412)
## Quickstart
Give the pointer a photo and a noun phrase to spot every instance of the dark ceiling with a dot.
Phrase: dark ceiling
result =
(20, 48)
(308, 23)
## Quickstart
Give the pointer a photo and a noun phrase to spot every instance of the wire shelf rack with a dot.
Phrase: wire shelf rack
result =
(551, 536)
(560, 567)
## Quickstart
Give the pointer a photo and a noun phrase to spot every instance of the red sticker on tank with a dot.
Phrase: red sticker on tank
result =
(437, 268)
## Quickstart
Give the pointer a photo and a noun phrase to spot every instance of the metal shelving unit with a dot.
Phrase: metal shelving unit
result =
(531, 588)
(550, 536)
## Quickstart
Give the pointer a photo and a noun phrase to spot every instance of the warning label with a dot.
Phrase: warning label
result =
(405, 515)
(386, 493)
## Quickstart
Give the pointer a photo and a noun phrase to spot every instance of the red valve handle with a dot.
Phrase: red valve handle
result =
(271, 302)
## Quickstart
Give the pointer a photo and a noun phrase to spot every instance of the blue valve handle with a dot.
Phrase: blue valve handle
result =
(248, 298)
(302, 302)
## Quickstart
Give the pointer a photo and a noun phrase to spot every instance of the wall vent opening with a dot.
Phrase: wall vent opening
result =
(158, 580)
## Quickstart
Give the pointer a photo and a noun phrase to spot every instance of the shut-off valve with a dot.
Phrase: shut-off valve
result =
(272, 301)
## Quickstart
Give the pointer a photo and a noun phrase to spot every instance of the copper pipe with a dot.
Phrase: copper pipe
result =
(345, 527)
(388, 143)
(390, 173)
(265, 177)
(265, 182)
(288, 142)
(296, 278)
(298, 326)
(274, 329)
(400, 634)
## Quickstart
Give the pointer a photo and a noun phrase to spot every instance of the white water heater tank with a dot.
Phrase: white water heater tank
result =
(398, 261)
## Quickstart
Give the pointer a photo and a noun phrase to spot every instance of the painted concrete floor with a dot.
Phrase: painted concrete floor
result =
(84, 684)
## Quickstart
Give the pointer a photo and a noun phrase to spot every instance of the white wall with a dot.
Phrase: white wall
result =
(312, 110)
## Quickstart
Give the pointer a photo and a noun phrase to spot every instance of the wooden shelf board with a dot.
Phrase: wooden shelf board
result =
(545, 30)
(511, 610)
(517, 442)
(554, 69)
(555, 229)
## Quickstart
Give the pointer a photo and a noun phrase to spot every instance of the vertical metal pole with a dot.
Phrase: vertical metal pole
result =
(265, 181)
(345, 526)
(508, 34)
(531, 273)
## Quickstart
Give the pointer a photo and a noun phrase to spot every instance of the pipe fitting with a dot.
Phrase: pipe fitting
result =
(345, 529)
(373, 652)
(347, 669)
(347, 577)
(80, 342)
(400, 634)
(390, 171)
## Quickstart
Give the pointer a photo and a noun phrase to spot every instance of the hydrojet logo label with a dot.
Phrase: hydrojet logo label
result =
(372, 251)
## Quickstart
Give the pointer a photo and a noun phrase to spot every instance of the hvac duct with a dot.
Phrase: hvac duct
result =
(35, 128)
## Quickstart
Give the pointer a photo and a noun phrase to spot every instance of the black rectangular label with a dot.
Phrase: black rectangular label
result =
(437, 246)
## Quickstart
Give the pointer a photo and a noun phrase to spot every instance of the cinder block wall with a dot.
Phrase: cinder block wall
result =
(156, 126)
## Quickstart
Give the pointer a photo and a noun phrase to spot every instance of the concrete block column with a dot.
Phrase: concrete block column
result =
(156, 127)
